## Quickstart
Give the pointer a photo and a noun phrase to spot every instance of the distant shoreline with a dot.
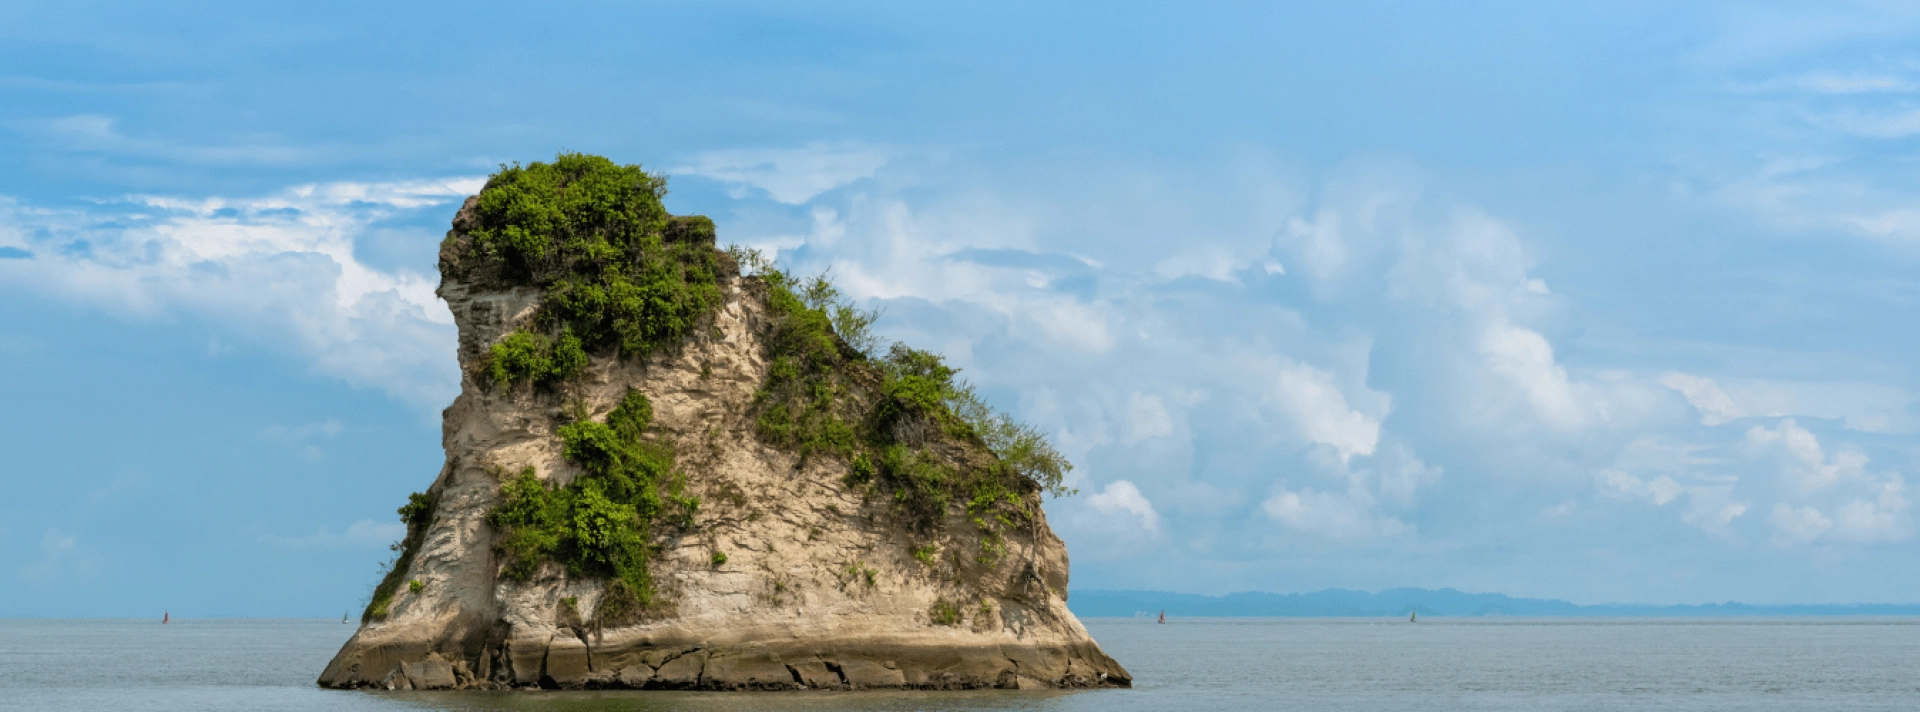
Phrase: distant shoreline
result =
(1446, 602)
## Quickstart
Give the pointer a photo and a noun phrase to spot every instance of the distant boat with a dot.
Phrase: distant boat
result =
(1163, 615)
(1413, 617)
(343, 618)
(164, 615)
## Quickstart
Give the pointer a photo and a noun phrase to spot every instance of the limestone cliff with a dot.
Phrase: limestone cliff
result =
(787, 573)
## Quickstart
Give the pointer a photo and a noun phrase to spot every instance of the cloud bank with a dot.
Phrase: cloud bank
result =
(281, 272)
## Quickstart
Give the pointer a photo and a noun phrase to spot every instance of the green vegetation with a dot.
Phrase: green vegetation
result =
(944, 612)
(417, 514)
(829, 392)
(860, 571)
(415, 586)
(599, 524)
(719, 558)
(926, 554)
(804, 404)
(619, 274)
(526, 356)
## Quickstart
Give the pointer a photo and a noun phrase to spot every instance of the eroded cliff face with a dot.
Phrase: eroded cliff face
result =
(820, 586)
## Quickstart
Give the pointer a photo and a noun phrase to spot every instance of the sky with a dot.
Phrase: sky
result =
(1607, 302)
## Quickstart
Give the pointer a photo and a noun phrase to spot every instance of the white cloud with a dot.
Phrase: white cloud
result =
(1848, 502)
(1463, 277)
(279, 270)
(1660, 470)
(1797, 525)
(1860, 405)
(1804, 461)
(1398, 475)
(1321, 412)
(1715, 407)
(791, 175)
(1875, 520)
(1660, 490)
(1215, 262)
(1524, 357)
(1713, 510)
(1121, 497)
(1335, 516)
(1449, 289)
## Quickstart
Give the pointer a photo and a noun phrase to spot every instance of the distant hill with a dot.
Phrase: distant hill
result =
(1399, 602)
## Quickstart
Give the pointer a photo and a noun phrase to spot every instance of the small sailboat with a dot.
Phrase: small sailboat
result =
(1163, 615)
(1413, 617)
(343, 618)
(164, 616)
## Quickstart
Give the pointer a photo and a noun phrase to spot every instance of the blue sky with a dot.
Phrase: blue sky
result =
(1610, 302)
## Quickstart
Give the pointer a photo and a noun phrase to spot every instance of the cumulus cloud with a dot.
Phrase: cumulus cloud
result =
(1659, 471)
(1321, 412)
(1122, 498)
(279, 270)
(1462, 280)
(1376, 488)
(1804, 461)
(1523, 357)
(1705, 396)
(1876, 519)
(977, 278)
(1396, 476)
(1829, 497)
(1713, 509)
(1798, 524)
(1859, 405)
(1332, 515)
(1660, 490)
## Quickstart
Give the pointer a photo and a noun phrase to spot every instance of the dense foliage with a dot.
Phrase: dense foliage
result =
(598, 524)
(829, 392)
(417, 513)
(619, 274)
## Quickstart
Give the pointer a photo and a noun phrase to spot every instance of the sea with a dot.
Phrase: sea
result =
(1815, 663)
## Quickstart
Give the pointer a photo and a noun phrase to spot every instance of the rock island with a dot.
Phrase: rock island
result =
(676, 466)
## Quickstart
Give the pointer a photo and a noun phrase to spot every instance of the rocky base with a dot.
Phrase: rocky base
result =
(570, 662)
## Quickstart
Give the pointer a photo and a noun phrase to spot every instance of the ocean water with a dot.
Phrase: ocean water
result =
(1277, 664)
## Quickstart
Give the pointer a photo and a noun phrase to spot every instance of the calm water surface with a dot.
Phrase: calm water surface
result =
(1299, 664)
